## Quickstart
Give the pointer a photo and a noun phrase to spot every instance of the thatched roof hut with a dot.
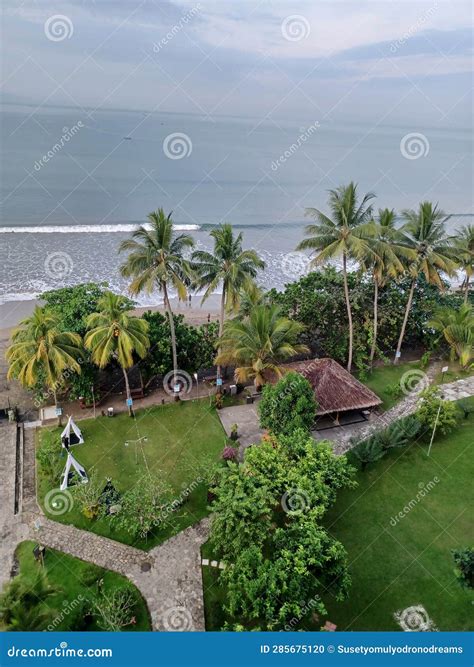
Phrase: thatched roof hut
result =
(335, 389)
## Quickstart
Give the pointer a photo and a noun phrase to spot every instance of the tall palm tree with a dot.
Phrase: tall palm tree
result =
(229, 266)
(257, 344)
(386, 263)
(40, 348)
(114, 333)
(424, 233)
(344, 235)
(156, 261)
(465, 245)
(457, 327)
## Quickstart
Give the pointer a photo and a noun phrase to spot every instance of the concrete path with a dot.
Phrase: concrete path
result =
(247, 420)
(452, 391)
(168, 576)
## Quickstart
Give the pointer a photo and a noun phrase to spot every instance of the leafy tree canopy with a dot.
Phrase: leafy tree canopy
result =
(288, 405)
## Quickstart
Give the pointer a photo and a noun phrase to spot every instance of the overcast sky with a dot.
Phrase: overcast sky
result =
(403, 61)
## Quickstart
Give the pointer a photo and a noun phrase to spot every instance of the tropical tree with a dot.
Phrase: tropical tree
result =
(464, 243)
(113, 333)
(424, 233)
(229, 266)
(157, 260)
(24, 604)
(258, 344)
(40, 350)
(384, 260)
(343, 235)
(457, 327)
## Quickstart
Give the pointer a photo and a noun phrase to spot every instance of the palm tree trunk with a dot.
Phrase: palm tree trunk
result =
(221, 329)
(466, 288)
(349, 311)
(173, 333)
(127, 390)
(60, 419)
(405, 320)
(374, 333)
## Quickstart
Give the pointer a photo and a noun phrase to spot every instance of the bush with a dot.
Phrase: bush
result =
(288, 405)
(434, 411)
(50, 460)
(229, 453)
(368, 451)
(464, 570)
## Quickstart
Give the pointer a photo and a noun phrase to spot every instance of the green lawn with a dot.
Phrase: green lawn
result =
(382, 378)
(180, 435)
(454, 373)
(76, 582)
(397, 566)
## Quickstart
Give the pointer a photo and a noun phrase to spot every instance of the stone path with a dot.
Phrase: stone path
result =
(168, 576)
(453, 391)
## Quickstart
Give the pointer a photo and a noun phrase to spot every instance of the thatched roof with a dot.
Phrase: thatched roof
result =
(335, 389)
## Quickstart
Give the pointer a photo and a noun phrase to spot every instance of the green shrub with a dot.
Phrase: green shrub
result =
(464, 570)
(288, 405)
(434, 411)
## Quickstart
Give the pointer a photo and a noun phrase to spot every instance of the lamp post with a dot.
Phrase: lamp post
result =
(197, 385)
(93, 398)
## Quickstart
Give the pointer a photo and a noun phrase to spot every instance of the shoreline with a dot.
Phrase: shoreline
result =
(12, 312)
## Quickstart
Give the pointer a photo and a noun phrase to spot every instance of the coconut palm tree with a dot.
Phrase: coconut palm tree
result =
(156, 261)
(465, 245)
(228, 266)
(457, 327)
(343, 235)
(113, 333)
(424, 233)
(40, 349)
(257, 344)
(386, 263)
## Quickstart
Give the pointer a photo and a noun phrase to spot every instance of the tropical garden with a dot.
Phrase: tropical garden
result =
(290, 520)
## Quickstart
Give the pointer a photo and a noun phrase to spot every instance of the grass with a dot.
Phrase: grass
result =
(406, 562)
(180, 436)
(76, 582)
(382, 378)
(454, 373)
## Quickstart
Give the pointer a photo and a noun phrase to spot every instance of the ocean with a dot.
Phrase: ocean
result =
(75, 183)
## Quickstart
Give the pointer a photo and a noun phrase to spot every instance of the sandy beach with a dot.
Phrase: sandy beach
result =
(13, 312)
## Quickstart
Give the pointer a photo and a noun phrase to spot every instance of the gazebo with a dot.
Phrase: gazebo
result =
(339, 394)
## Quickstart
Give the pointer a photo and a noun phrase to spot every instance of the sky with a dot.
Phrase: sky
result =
(394, 61)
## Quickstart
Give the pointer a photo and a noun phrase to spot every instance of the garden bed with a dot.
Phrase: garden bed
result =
(75, 584)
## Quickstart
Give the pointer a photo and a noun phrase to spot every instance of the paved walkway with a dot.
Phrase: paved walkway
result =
(168, 576)
(453, 391)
